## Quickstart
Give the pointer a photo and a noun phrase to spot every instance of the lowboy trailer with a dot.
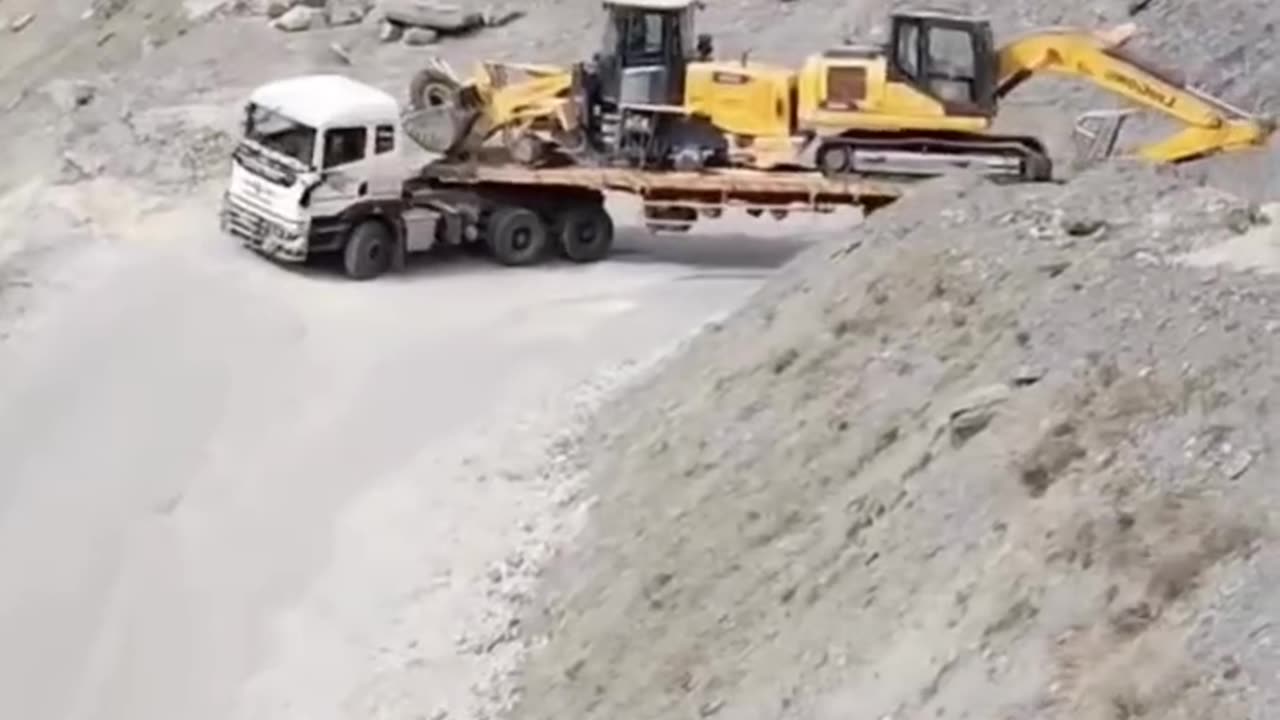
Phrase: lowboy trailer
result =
(316, 173)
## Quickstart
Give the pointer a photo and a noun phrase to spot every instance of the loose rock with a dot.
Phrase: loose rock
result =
(389, 31)
(418, 36)
(347, 12)
(300, 18)
(276, 8)
(341, 53)
(21, 22)
(439, 16)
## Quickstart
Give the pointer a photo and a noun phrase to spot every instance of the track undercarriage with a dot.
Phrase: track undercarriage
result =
(910, 155)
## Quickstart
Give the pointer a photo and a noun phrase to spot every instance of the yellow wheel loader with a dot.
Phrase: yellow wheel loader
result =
(654, 98)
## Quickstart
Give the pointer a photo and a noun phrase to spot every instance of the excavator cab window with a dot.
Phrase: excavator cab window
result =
(949, 58)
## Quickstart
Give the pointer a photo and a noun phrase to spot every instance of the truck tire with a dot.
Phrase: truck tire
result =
(431, 88)
(584, 233)
(516, 236)
(368, 250)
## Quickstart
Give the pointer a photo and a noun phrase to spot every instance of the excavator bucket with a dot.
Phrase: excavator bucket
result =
(1096, 134)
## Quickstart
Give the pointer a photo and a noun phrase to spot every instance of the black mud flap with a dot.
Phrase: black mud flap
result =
(398, 254)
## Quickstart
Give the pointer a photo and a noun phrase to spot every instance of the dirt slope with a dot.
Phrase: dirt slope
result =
(738, 564)
(1008, 457)
(997, 460)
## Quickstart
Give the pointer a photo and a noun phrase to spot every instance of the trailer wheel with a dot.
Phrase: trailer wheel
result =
(584, 233)
(834, 159)
(368, 250)
(516, 236)
(1039, 168)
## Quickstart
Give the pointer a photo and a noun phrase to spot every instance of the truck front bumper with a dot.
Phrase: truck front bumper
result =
(268, 236)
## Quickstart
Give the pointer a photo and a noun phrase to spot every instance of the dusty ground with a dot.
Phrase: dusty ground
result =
(231, 489)
(181, 434)
(234, 490)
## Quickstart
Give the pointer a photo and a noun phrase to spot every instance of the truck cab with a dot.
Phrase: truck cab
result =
(317, 154)
(323, 167)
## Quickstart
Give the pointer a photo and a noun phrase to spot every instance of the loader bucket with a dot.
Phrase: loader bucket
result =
(441, 116)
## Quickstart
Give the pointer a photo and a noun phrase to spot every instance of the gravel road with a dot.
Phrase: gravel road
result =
(235, 490)
(207, 454)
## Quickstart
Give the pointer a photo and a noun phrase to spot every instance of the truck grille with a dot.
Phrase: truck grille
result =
(244, 224)
(260, 233)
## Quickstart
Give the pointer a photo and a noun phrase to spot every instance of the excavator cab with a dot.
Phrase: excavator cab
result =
(647, 46)
(950, 58)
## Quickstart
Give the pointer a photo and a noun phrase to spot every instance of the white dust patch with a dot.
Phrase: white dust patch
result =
(418, 615)
(16, 207)
(115, 210)
(1257, 250)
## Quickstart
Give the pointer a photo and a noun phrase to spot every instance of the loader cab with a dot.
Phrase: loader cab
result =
(949, 57)
(647, 47)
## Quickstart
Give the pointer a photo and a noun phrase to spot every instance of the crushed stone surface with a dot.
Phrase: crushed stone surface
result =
(1005, 453)
(1000, 453)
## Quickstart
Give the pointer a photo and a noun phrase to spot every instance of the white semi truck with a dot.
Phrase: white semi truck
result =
(321, 168)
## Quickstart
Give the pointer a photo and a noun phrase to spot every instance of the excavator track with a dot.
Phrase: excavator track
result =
(1021, 159)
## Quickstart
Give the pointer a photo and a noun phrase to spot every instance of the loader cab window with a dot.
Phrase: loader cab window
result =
(644, 37)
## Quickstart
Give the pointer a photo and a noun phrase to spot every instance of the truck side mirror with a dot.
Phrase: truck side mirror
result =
(705, 47)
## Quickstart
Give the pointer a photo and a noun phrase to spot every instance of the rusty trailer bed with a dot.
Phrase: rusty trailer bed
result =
(718, 188)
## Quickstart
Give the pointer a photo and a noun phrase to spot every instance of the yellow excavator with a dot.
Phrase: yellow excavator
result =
(654, 98)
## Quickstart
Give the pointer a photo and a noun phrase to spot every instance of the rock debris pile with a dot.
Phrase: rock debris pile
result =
(415, 22)
(1008, 453)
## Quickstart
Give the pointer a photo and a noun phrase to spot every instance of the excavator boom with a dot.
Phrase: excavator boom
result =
(1210, 125)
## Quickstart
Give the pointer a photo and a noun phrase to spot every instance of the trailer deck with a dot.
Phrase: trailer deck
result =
(703, 191)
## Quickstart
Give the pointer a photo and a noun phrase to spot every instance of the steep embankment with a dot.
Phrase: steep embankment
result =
(1004, 453)
(1007, 454)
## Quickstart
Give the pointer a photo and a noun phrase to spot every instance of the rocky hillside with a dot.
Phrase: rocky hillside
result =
(1006, 453)
(1002, 453)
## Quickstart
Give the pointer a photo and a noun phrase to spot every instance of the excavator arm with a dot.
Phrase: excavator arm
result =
(1210, 125)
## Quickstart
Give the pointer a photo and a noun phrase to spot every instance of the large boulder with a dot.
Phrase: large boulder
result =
(276, 8)
(348, 12)
(418, 36)
(300, 18)
(439, 16)
(390, 31)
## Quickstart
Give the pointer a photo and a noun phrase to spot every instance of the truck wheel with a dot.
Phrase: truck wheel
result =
(585, 233)
(368, 250)
(516, 236)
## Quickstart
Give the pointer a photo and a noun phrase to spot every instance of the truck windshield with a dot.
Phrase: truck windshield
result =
(277, 132)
